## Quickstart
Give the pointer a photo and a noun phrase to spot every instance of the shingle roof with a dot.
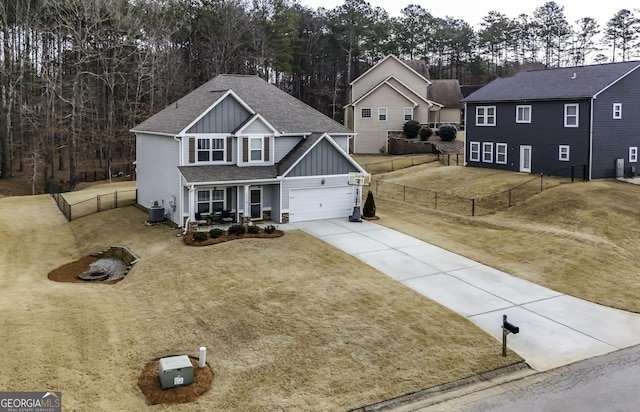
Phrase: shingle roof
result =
(227, 173)
(562, 83)
(445, 92)
(297, 152)
(283, 111)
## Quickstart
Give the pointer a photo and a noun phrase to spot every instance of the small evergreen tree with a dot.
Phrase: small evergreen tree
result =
(411, 129)
(369, 209)
(425, 133)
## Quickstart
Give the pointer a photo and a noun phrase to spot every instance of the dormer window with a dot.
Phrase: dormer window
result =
(255, 149)
(210, 149)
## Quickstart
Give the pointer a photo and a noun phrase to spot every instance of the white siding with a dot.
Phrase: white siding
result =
(309, 182)
(157, 175)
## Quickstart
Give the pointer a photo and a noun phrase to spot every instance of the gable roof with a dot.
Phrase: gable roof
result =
(305, 146)
(281, 110)
(548, 84)
(446, 92)
(386, 82)
(391, 56)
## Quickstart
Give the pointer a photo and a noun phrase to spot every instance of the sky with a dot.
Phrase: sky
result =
(473, 11)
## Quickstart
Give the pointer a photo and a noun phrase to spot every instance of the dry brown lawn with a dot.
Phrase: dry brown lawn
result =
(577, 238)
(289, 323)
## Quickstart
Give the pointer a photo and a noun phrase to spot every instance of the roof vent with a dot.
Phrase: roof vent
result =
(574, 76)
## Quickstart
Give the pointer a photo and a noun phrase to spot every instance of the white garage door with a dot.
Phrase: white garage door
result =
(320, 203)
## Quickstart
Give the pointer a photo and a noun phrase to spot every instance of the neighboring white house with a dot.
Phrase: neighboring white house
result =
(384, 98)
(241, 146)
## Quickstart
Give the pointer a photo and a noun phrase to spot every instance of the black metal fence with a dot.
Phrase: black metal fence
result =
(94, 205)
(476, 206)
(398, 163)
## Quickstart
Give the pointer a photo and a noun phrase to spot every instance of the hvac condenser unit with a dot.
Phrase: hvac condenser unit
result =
(156, 214)
(175, 371)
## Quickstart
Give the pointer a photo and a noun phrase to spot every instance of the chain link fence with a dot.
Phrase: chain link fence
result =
(94, 205)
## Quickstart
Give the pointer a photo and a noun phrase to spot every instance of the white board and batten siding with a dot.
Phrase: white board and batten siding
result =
(157, 160)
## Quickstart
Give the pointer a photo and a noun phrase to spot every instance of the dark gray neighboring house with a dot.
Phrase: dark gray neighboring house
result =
(554, 120)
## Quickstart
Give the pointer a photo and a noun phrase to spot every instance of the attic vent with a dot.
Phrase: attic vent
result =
(574, 76)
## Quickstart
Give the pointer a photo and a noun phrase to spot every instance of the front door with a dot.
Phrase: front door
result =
(256, 203)
(525, 159)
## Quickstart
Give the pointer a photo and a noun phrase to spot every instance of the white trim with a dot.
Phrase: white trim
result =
(498, 147)
(398, 60)
(595, 96)
(404, 113)
(633, 154)
(485, 116)
(617, 111)
(386, 114)
(328, 137)
(204, 113)
(255, 118)
(486, 145)
(385, 82)
(577, 115)
(251, 138)
(473, 158)
(564, 152)
(528, 149)
(528, 112)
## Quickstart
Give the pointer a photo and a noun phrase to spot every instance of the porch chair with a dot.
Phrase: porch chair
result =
(226, 216)
(200, 220)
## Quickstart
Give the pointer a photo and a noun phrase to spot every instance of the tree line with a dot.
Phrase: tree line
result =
(76, 75)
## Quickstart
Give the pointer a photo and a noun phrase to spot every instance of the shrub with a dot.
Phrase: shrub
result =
(200, 236)
(216, 233)
(369, 209)
(236, 230)
(447, 132)
(411, 129)
(270, 229)
(253, 229)
(425, 133)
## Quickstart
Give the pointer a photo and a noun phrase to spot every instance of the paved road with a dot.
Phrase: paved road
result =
(606, 383)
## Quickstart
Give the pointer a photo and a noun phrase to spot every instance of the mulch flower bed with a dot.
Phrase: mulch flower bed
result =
(226, 237)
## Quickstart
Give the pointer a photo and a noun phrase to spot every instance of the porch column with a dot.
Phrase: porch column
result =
(246, 217)
(192, 202)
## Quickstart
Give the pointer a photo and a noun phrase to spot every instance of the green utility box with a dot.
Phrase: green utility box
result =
(175, 371)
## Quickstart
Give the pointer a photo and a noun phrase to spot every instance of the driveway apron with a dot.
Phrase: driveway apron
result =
(555, 329)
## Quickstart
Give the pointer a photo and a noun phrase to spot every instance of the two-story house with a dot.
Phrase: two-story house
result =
(383, 99)
(557, 121)
(240, 145)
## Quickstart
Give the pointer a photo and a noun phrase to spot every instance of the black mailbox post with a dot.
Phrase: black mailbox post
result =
(507, 328)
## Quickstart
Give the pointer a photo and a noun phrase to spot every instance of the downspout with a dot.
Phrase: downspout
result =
(591, 138)
(180, 191)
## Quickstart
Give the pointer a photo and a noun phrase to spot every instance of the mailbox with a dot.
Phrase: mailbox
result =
(510, 327)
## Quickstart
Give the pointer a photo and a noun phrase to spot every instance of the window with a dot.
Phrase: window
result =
(408, 114)
(485, 116)
(210, 201)
(563, 153)
(617, 110)
(365, 113)
(501, 153)
(571, 115)
(255, 149)
(474, 151)
(487, 152)
(523, 114)
(382, 114)
(633, 154)
(210, 150)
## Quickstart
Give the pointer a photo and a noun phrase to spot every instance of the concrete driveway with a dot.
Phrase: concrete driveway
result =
(555, 329)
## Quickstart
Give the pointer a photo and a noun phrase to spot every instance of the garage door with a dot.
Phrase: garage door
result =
(320, 203)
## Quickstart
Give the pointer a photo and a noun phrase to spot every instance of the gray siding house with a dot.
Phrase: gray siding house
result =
(578, 120)
(240, 146)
